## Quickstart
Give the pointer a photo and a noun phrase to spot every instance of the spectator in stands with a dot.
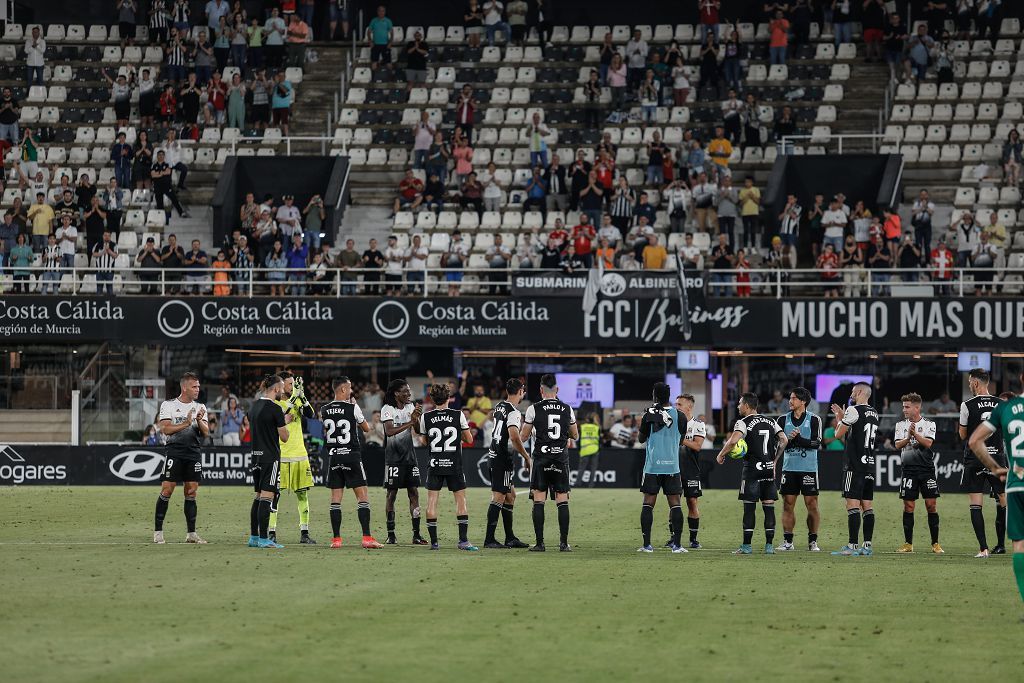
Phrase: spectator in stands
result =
(908, 258)
(454, 260)
(722, 258)
(921, 219)
(373, 263)
(410, 190)
(239, 38)
(842, 21)
(172, 156)
(583, 237)
(919, 49)
(536, 131)
(517, 11)
(85, 191)
(894, 40)
(592, 96)
(936, 12)
(677, 198)
(465, 109)
(592, 198)
(281, 101)
(996, 232)
(176, 55)
(423, 136)
(255, 38)
(67, 205)
(313, 217)
(861, 219)
(195, 263)
(1011, 158)
(142, 161)
(242, 261)
(780, 258)
(728, 209)
(114, 200)
(536, 194)
(260, 88)
(785, 124)
(19, 215)
(689, 255)
(892, 227)
(103, 256)
(221, 35)
(298, 258)
(172, 256)
(551, 255)
(498, 258)
(161, 174)
(51, 266)
(276, 31)
(555, 184)
(680, 82)
(942, 405)
(41, 215)
(983, 258)
(433, 195)
(539, 17)
(379, 36)
(120, 93)
(750, 118)
(348, 259)
(8, 235)
(778, 42)
(473, 23)
(159, 22)
(618, 76)
(394, 258)
(414, 260)
(10, 113)
(236, 102)
(289, 217)
(35, 51)
(828, 264)
(463, 155)
(708, 67)
(205, 59)
(944, 58)
(126, 17)
(494, 22)
(437, 157)
(649, 95)
(148, 261)
(834, 223)
(942, 260)
(720, 149)
(96, 222)
(609, 231)
(654, 254)
(636, 58)
(873, 26)
(121, 155)
(879, 259)
(417, 53)
(750, 212)
(276, 261)
(570, 261)
(606, 51)
(704, 196)
(298, 36)
(221, 274)
(800, 15)
(20, 259)
(708, 16)
(471, 194)
(214, 10)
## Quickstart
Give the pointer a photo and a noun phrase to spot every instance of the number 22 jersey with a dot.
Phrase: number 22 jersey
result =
(443, 428)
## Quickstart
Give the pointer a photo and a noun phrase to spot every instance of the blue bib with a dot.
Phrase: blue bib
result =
(799, 459)
(663, 447)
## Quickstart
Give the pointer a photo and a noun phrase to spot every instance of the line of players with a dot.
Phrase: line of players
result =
(795, 437)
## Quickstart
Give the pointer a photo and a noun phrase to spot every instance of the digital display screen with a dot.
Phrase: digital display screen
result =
(824, 385)
(969, 360)
(674, 383)
(716, 391)
(691, 359)
(596, 387)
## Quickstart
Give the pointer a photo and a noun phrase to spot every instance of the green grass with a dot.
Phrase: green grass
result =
(88, 598)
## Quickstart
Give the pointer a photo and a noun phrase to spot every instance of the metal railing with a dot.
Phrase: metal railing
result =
(338, 282)
(840, 137)
(324, 141)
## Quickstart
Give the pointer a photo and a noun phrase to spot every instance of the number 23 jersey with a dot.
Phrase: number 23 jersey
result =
(341, 422)
(443, 429)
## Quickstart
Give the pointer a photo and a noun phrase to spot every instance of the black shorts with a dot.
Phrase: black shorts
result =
(179, 469)
(858, 485)
(550, 474)
(342, 475)
(692, 488)
(669, 484)
(977, 479)
(755, 490)
(502, 475)
(380, 54)
(260, 113)
(266, 476)
(802, 483)
(912, 484)
(401, 476)
(455, 481)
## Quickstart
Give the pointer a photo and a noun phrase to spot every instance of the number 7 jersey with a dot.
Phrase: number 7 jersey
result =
(862, 421)
(551, 420)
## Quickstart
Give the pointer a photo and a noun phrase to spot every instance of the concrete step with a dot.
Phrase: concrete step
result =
(35, 426)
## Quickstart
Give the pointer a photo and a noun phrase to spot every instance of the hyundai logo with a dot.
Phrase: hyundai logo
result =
(175, 323)
(390, 324)
(137, 466)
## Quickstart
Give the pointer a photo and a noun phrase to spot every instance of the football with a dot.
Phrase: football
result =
(739, 450)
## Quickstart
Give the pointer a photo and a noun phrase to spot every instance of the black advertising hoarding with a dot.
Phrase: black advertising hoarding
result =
(627, 284)
(615, 321)
(228, 465)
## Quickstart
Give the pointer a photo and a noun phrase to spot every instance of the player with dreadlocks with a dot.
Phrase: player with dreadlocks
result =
(398, 415)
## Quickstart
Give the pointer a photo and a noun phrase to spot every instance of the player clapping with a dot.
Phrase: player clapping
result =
(184, 423)
(914, 438)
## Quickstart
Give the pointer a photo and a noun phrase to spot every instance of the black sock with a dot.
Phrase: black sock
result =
(432, 529)
(191, 511)
(748, 522)
(1000, 525)
(853, 523)
(869, 525)
(336, 519)
(161, 512)
(675, 515)
(978, 522)
(391, 522)
(463, 521)
(493, 512)
(646, 522)
(769, 522)
(538, 521)
(254, 518)
(563, 521)
(933, 526)
(787, 536)
(264, 516)
(363, 511)
(506, 518)
(812, 538)
(416, 524)
(694, 523)
(908, 526)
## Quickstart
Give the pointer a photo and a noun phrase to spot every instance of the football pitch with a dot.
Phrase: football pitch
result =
(89, 598)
